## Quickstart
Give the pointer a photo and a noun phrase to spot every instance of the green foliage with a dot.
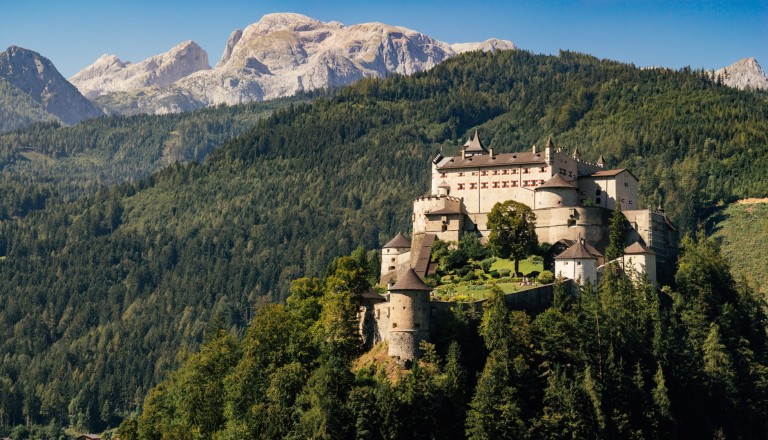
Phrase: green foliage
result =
(616, 235)
(513, 230)
(546, 277)
(97, 302)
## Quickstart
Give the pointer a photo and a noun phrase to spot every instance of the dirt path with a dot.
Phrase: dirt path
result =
(752, 201)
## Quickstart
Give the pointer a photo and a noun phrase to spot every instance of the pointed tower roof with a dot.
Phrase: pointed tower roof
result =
(577, 251)
(410, 281)
(444, 184)
(550, 144)
(637, 248)
(476, 146)
(400, 241)
(576, 152)
(556, 181)
(601, 161)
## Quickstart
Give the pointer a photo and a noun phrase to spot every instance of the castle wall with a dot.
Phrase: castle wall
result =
(589, 223)
(556, 198)
(638, 264)
(392, 258)
(652, 228)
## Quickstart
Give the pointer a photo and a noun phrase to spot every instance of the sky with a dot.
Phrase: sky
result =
(670, 33)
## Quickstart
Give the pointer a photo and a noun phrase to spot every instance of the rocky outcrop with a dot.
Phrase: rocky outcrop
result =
(743, 74)
(285, 53)
(37, 77)
(110, 74)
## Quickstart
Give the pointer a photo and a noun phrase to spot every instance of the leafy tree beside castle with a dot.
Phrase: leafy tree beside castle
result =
(513, 231)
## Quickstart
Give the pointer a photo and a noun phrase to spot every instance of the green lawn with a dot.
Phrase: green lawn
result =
(479, 289)
(741, 229)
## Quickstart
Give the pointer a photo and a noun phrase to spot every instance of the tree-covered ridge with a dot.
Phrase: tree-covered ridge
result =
(48, 163)
(617, 360)
(18, 109)
(114, 285)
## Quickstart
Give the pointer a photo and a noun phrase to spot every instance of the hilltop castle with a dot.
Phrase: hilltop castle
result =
(573, 201)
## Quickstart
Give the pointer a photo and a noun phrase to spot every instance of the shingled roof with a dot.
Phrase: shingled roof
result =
(476, 146)
(487, 160)
(410, 281)
(578, 251)
(557, 181)
(400, 241)
(637, 248)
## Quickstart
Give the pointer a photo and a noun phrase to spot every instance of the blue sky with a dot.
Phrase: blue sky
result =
(709, 34)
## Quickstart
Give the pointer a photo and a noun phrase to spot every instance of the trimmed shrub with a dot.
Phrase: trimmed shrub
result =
(504, 272)
(494, 273)
(546, 277)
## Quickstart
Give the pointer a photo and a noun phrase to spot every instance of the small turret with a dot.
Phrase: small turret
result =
(601, 161)
(548, 151)
(390, 254)
(576, 153)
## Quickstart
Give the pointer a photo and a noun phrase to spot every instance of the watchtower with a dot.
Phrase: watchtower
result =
(409, 316)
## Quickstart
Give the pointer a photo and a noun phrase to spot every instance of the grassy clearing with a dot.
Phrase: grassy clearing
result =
(742, 230)
(452, 289)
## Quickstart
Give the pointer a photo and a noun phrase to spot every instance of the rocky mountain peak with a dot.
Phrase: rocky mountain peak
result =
(36, 76)
(109, 74)
(284, 21)
(743, 74)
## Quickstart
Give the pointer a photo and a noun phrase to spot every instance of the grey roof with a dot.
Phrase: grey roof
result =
(577, 251)
(421, 263)
(610, 173)
(371, 295)
(557, 181)
(487, 160)
(550, 144)
(444, 211)
(443, 184)
(476, 146)
(410, 281)
(400, 241)
(637, 248)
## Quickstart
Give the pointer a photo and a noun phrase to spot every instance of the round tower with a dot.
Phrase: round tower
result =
(556, 193)
(409, 317)
(578, 263)
(391, 251)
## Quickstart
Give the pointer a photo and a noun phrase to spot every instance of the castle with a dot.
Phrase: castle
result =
(572, 199)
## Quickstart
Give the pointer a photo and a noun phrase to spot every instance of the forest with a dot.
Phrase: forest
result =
(617, 360)
(104, 294)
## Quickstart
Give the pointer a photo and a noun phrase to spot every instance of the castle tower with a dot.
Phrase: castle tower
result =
(409, 315)
(577, 263)
(390, 253)
(642, 261)
(556, 193)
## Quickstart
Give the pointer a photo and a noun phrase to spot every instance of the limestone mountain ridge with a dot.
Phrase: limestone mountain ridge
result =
(37, 77)
(743, 74)
(280, 55)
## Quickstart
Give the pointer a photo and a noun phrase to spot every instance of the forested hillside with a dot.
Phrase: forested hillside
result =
(101, 294)
(618, 360)
(17, 109)
(47, 163)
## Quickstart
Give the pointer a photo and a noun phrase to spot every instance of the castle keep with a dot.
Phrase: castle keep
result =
(573, 201)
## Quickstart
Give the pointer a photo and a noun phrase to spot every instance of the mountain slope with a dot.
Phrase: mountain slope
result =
(110, 74)
(745, 73)
(36, 76)
(283, 54)
(106, 291)
(17, 109)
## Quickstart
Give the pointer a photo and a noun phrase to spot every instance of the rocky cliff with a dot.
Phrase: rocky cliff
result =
(110, 74)
(36, 76)
(285, 53)
(743, 74)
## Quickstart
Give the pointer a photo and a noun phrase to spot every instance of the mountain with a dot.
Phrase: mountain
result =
(18, 109)
(100, 295)
(37, 77)
(283, 54)
(745, 73)
(110, 74)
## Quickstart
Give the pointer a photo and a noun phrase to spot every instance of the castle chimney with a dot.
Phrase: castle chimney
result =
(534, 148)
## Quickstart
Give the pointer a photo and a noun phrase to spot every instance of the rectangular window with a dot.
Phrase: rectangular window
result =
(484, 173)
(460, 186)
(473, 186)
(514, 170)
(542, 169)
(626, 184)
(461, 174)
(562, 171)
(474, 173)
(526, 170)
(443, 174)
(505, 184)
(514, 183)
(504, 172)
(495, 172)
(484, 185)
